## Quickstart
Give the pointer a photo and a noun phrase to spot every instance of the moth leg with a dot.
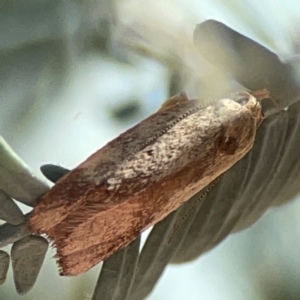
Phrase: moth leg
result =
(179, 98)
(260, 94)
(265, 94)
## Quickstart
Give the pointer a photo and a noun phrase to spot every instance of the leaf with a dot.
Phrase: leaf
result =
(4, 264)
(247, 62)
(9, 210)
(11, 233)
(53, 172)
(117, 274)
(16, 179)
(27, 257)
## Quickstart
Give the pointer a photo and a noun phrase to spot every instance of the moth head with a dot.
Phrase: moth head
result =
(252, 103)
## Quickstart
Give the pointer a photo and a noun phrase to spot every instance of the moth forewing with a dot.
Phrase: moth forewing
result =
(142, 176)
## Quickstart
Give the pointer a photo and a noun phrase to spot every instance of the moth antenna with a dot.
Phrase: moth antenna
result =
(207, 190)
(265, 94)
(261, 94)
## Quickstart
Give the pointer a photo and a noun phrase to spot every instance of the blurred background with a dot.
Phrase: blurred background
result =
(75, 74)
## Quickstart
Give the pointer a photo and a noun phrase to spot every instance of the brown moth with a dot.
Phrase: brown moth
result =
(143, 175)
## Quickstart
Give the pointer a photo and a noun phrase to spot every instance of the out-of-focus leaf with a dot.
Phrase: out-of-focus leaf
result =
(126, 111)
(9, 210)
(4, 264)
(27, 257)
(117, 274)
(247, 62)
(16, 179)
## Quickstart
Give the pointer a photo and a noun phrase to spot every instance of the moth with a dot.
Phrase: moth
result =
(143, 175)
